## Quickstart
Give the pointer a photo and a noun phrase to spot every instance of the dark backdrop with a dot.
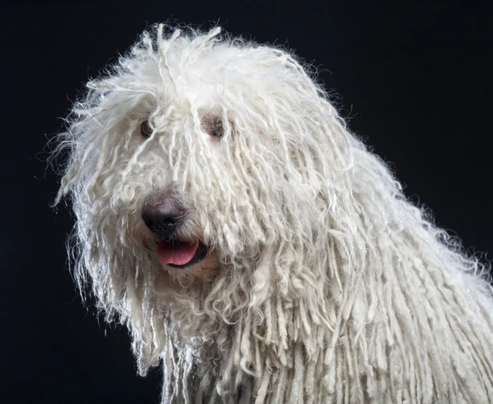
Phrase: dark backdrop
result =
(414, 80)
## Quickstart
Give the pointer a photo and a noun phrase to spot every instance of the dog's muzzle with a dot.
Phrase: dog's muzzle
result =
(164, 219)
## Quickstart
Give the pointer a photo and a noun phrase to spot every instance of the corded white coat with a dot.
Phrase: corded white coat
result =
(330, 286)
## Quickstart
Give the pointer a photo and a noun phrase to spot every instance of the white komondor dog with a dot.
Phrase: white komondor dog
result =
(256, 247)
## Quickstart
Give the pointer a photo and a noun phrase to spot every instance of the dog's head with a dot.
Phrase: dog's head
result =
(203, 171)
(199, 151)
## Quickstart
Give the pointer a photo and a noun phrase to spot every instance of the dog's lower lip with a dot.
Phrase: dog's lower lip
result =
(200, 254)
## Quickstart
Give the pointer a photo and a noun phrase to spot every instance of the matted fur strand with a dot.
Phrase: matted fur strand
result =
(326, 284)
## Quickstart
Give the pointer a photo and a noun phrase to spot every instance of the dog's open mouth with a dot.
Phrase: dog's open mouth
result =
(180, 254)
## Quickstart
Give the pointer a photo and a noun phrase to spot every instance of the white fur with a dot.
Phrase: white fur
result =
(324, 284)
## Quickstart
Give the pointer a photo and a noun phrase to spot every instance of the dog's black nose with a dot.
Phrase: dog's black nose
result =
(163, 218)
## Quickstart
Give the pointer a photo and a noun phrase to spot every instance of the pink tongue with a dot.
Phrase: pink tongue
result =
(177, 253)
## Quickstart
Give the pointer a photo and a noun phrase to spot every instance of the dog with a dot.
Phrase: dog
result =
(254, 246)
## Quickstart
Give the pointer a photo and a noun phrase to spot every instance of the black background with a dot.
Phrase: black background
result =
(414, 79)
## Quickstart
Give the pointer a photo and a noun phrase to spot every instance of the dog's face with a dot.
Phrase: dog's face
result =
(191, 159)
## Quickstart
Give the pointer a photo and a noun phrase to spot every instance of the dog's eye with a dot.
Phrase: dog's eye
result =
(145, 129)
(215, 128)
